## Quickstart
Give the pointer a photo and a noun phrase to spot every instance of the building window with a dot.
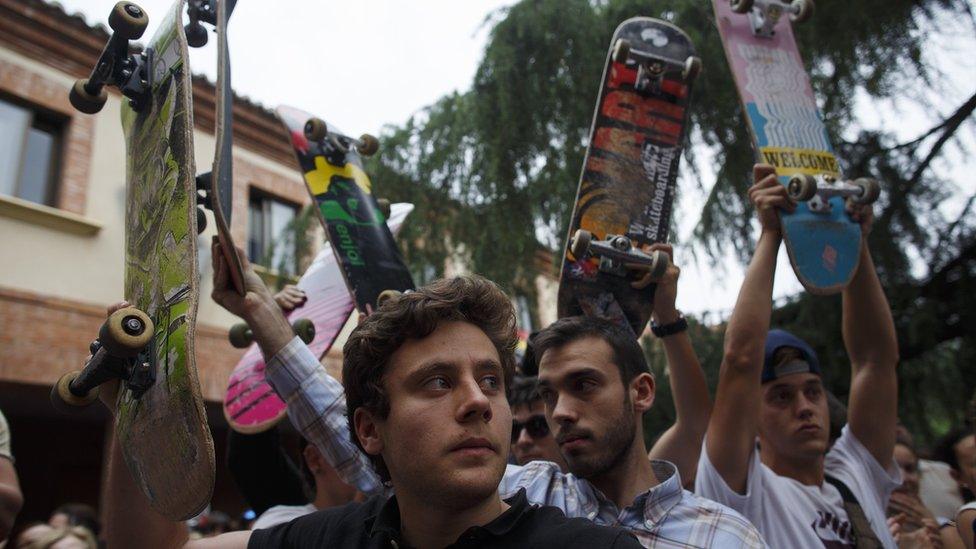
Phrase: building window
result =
(30, 146)
(271, 238)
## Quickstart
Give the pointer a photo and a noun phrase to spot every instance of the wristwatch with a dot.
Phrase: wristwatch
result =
(666, 330)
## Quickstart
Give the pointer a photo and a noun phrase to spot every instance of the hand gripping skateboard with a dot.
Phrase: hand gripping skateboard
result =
(822, 241)
(160, 421)
(369, 258)
(627, 186)
(251, 405)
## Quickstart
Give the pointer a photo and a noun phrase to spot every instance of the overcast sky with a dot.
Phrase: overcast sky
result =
(368, 63)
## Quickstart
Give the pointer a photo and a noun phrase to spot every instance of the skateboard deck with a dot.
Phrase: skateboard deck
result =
(251, 405)
(217, 186)
(630, 168)
(788, 133)
(160, 420)
(368, 255)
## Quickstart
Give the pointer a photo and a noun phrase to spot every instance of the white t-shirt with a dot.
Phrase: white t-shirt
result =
(280, 514)
(790, 514)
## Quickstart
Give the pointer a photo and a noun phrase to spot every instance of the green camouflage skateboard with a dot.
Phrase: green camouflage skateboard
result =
(160, 420)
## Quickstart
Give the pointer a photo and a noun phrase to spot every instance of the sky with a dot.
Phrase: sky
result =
(370, 63)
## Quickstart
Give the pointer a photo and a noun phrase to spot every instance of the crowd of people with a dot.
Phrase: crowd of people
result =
(436, 437)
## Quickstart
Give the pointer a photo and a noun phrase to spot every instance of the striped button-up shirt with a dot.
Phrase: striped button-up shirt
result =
(665, 516)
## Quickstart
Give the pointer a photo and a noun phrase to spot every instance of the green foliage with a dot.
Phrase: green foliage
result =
(494, 170)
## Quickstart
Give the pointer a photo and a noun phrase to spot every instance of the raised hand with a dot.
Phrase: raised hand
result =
(768, 195)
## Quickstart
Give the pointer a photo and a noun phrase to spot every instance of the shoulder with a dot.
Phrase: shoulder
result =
(548, 527)
(723, 520)
(532, 474)
(319, 528)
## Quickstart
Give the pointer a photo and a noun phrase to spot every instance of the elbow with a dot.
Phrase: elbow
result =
(738, 361)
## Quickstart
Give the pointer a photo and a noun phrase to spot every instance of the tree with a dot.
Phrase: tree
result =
(494, 170)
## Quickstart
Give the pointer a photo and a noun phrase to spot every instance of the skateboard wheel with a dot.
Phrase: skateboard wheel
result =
(304, 329)
(621, 50)
(316, 129)
(126, 332)
(580, 243)
(128, 20)
(741, 6)
(196, 35)
(386, 295)
(693, 67)
(240, 335)
(384, 205)
(801, 10)
(660, 261)
(64, 400)
(368, 145)
(201, 220)
(802, 187)
(870, 190)
(84, 101)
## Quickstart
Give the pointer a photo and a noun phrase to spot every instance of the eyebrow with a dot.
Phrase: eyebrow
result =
(572, 376)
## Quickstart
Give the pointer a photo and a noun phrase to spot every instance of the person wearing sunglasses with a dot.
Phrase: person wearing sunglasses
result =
(531, 438)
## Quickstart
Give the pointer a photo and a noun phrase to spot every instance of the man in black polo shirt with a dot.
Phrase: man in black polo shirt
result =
(425, 381)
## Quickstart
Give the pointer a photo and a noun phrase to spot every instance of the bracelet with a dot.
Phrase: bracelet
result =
(666, 330)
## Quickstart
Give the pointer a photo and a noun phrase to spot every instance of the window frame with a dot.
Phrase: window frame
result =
(53, 124)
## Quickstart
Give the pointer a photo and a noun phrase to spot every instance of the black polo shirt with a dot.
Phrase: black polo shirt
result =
(375, 523)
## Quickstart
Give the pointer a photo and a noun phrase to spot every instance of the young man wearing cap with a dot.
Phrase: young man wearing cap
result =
(799, 492)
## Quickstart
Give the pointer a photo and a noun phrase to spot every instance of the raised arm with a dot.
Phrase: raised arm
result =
(734, 423)
(681, 443)
(869, 335)
(316, 402)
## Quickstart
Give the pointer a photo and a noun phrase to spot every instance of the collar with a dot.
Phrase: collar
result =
(387, 519)
(659, 500)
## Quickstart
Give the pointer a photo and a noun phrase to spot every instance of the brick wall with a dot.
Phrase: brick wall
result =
(43, 337)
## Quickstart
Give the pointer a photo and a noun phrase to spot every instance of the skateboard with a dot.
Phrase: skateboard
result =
(251, 405)
(626, 189)
(160, 421)
(215, 188)
(822, 242)
(332, 167)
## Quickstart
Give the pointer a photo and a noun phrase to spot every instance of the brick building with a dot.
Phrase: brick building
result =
(62, 178)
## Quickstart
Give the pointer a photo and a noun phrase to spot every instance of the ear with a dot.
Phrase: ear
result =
(367, 431)
(313, 458)
(642, 392)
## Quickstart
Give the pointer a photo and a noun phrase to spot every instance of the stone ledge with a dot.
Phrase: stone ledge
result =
(46, 216)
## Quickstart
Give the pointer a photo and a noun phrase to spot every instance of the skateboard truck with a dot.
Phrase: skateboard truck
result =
(116, 67)
(119, 353)
(651, 68)
(202, 11)
(316, 130)
(204, 183)
(817, 190)
(241, 335)
(618, 255)
(764, 14)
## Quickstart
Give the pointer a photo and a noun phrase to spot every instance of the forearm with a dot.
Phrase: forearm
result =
(11, 500)
(317, 408)
(129, 520)
(868, 327)
(681, 443)
(745, 334)
(268, 324)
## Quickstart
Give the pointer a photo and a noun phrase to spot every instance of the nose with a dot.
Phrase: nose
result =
(805, 406)
(473, 403)
(524, 440)
(563, 411)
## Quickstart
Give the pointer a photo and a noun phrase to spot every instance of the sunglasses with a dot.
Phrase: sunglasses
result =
(536, 426)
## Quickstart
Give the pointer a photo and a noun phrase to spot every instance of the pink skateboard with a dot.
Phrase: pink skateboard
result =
(251, 405)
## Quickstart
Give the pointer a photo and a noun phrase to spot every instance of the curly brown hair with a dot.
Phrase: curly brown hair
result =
(415, 315)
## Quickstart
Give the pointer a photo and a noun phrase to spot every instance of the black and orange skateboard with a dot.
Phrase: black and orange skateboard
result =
(627, 187)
